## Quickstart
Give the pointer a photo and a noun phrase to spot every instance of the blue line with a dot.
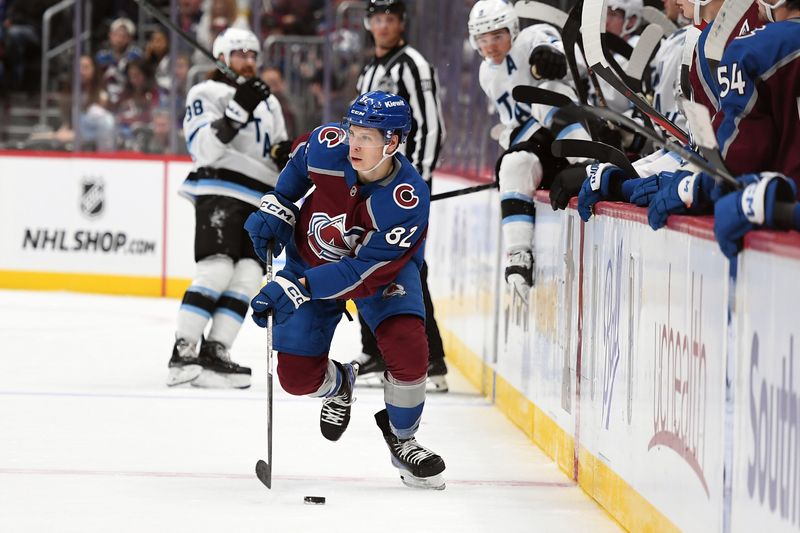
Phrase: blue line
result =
(569, 129)
(238, 295)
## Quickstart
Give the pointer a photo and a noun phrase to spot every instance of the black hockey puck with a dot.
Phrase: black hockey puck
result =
(314, 500)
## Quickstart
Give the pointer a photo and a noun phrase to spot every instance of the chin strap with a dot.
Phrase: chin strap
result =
(770, 8)
(384, 158)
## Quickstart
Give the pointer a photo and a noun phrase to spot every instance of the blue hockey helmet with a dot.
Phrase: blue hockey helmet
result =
(380, 110)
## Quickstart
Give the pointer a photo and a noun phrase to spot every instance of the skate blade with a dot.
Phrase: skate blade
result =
(209, 379)
(431, 483)
(178, 375)
(436, 384)
(370, 381)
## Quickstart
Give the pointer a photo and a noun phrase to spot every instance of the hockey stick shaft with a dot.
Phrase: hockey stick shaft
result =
(462, 192)
(163, 19)
(264, 468)
(579, 112)
(529, 94)
(594, 150)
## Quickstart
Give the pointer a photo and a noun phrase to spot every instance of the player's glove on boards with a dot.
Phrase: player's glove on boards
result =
(274, 221)
(739, 212)
(604, 182)
(282, 296)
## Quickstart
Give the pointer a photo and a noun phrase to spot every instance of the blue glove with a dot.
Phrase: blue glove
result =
(603, 183)
(645, 189)
(737, 213)
(680, 192)
(274, 221)
(282, 296)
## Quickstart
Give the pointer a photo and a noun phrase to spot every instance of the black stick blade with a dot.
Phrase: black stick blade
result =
(264, 473)
(529, 94)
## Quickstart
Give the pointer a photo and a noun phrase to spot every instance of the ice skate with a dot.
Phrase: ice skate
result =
(184, 365)
(419, 467)
(335, 414)
(370, 371)
(219, 372)
(437, 382)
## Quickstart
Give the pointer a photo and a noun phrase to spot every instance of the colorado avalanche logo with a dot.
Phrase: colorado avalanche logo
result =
(404, 196)
(331, 136)
(328, 237)
(393, 289)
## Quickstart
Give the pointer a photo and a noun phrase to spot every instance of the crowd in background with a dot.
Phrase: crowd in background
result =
(126, 77)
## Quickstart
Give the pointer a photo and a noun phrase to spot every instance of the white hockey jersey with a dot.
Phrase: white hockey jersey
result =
(666, 77)
(497, 81)
(247, 170)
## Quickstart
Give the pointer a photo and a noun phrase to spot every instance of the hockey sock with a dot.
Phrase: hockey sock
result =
(232, 305)
(404, 403)
(520, 173)
(200, 299)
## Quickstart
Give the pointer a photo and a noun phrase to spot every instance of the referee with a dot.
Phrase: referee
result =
(400, 69)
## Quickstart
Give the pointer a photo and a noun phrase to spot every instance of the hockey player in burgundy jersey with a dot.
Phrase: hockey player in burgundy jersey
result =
(758, 124)
(359, 235)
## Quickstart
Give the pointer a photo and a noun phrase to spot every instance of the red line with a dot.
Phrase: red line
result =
(165, 222)
(221, 475)
(94, 155)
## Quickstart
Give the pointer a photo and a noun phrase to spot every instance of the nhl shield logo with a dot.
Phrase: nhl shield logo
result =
(328, 237)
(92, 196)
(393, 289)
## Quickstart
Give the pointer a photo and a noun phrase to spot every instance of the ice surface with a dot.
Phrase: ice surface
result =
(91, 440)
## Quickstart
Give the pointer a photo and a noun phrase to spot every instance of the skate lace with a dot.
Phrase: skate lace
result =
(411, 452)
(334, 409)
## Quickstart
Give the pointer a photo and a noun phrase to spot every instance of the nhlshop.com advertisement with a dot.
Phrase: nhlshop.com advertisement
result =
(81, 215)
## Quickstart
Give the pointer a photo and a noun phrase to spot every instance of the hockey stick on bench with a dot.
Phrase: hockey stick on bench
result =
(593, 18)
(581, 112)
(594, 150)
(466, 190)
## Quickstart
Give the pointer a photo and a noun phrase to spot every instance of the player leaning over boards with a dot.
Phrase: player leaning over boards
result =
(359, 235)
(399, 68)
(534, 56)
(236, 136)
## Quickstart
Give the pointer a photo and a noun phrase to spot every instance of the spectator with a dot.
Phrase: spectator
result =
(96, 122)
(155, 140)
(189, 14)
(113, 61)
(23, 29)
(135, 108)
(156, 53)
(221, 15)
(273, 77)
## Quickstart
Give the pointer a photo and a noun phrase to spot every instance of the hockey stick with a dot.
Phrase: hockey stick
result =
(529, 94)
(570, 36)
(703, 134)
(163, 19)
(593, 18)
(656, 16)
(724, 23)
(643, 52)
(689, 44)
(594, 150)
(466, 190)
(580, 112)
(541, 12)
(264, 468)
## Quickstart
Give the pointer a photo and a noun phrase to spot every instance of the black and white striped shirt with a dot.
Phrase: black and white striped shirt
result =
(404, 71)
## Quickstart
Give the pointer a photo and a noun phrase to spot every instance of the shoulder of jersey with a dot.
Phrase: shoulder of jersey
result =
(407, 191)
(211, 88)
(766, 45)
(326, 148)
(536, 31)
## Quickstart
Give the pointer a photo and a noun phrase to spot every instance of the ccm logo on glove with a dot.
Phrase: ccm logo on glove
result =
(271, 205)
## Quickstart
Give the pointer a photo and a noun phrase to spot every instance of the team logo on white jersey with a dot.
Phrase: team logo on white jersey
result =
(92, 196)
(329, 238)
